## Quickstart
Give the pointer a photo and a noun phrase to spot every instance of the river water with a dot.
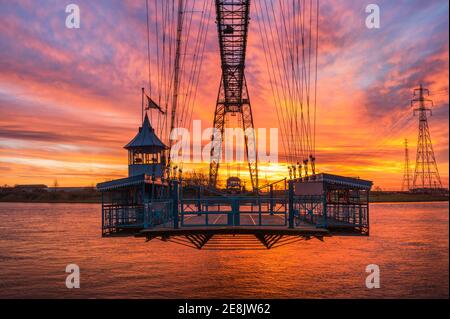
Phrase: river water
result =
(409, 242)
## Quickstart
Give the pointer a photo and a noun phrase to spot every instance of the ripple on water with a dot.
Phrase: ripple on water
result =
(408, 241)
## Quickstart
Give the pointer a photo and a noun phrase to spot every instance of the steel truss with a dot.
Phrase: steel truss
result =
(232, 25)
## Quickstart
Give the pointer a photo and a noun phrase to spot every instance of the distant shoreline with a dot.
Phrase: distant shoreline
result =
(92, 196)
(51, 202)
(409, 201)
(88, 201)
(397, 197)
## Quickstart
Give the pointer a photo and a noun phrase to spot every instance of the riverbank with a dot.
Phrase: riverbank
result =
(50, 196)
(398, 197)
(93, 196)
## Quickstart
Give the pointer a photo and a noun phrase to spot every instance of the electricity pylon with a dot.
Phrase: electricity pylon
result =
(426, 174)
(406, 185)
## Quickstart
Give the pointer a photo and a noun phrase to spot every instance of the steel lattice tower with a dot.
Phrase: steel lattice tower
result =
(232, 26)
(426, 174)
(406, 185)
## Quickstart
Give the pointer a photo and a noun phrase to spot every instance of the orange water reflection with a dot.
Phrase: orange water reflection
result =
(408, 241)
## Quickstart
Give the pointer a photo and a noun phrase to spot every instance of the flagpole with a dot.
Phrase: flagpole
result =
(142, 106)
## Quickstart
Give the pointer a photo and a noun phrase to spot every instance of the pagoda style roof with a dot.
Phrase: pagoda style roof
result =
(146, 139)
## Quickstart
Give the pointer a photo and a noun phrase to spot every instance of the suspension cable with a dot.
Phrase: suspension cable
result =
(286, 33)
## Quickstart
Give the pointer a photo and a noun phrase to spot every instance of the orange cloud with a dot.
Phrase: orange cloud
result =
(70, 100)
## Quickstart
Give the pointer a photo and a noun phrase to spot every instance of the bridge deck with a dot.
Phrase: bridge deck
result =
(245, 219)
(307, 231)
(234, 237)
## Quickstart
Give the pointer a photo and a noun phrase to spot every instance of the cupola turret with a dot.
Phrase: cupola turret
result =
(146, 152)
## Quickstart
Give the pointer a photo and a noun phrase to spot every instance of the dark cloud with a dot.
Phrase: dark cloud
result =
(32, 135)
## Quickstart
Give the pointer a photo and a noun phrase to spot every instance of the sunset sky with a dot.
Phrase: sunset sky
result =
(70, 98)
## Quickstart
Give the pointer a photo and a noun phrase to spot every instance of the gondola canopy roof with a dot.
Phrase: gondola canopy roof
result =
(146, 140)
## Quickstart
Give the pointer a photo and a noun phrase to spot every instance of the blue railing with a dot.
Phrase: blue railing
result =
(233, 211)
(118, 217)
(285, 211)
(310, 210)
